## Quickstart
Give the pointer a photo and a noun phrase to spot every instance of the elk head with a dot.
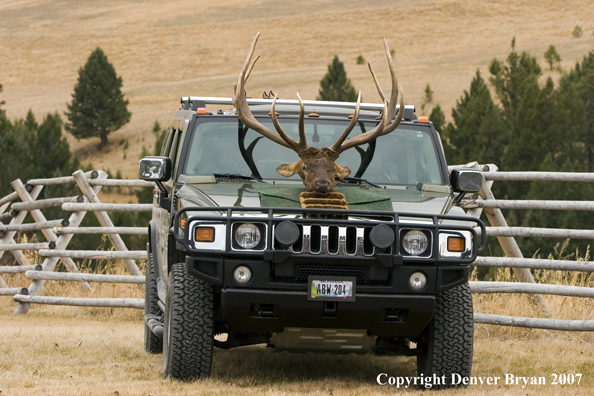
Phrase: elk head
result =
(317, 166)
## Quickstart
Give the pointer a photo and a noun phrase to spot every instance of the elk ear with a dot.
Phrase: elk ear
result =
(342, 171)
(288, 170)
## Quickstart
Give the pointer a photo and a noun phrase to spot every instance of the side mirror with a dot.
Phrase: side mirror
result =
(155, 168)
(466, 180)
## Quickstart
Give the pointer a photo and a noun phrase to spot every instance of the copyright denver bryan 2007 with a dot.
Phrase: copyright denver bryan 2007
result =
(457, 379)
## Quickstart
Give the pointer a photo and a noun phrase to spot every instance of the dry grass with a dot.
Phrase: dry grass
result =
(164, 50)
(73, 351)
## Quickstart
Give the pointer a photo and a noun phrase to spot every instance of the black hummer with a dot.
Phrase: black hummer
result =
(232, 252)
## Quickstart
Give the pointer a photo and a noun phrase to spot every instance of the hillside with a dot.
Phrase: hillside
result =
(164, 50)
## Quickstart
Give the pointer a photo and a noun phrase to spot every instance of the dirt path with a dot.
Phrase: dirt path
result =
(70, 351)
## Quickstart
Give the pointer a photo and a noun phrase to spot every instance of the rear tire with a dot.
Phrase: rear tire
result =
(152, 343)
(448, 340)
(188, 336)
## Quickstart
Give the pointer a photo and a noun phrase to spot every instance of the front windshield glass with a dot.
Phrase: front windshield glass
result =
(405, 156)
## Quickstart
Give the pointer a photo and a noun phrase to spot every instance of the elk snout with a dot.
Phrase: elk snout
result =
(322, 186)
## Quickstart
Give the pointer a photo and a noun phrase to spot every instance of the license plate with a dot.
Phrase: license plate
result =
(331, 288)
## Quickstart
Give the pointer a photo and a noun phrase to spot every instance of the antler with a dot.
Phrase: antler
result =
(245, 115)
(383, 128)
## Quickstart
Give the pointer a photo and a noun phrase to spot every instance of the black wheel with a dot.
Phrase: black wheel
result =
(449, 337)
(152, 343)
(188, 337)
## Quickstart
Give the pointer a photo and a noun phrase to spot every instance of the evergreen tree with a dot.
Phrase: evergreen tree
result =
(534, 131)
(335, 86)
(576, 106)
(160, 135)
(98, 106)
(49, 151)
(11, 147)
(1, 102)
(478, 132)
(437, 117)
(552, 56)
(428, 97)
(512, 80)
(566, 219)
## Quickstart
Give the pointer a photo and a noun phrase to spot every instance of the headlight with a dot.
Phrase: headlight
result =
(415, 242)
(247, 236)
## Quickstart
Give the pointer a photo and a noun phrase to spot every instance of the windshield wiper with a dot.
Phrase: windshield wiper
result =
(235, 176)
(357, 180)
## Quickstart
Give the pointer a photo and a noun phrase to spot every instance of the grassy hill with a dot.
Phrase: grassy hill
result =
(164, 50)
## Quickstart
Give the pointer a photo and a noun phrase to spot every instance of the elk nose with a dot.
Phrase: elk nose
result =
(322, 186)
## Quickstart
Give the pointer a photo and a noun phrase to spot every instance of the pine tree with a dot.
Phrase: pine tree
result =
(512, 80)
(160, 136)
(428, 97)
(1, 102)
(98, 106)
(10, 147)
(576, 106)
(437, 117)
(552, 56)
(478, 132)
(50, 151)
(335, 86)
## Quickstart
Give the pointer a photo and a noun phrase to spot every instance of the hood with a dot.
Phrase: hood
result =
(404, 199)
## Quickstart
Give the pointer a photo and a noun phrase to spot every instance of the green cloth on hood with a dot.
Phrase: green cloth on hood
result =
(358, 199)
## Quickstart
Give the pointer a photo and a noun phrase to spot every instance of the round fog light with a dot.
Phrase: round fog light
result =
(417, 281)
(242, 274)
(247, 236)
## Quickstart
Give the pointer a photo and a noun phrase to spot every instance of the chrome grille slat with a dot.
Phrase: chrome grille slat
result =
(360, 242)
(306, 239)
(337, 244)
(342, 244)
(324, 231)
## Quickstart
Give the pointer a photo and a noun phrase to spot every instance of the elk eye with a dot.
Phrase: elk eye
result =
(303, 168)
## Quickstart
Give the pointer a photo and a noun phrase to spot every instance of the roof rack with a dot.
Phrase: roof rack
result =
(314, 103)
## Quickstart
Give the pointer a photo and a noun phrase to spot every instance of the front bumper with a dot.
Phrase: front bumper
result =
(268, 311)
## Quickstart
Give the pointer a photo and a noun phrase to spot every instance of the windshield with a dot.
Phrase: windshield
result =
(405, 156)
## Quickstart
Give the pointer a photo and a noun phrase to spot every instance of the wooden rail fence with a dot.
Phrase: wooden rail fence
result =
(58, 234)
(514, 258)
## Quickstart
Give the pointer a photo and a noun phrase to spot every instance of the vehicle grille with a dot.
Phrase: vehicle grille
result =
(304, 272)
(333, 241)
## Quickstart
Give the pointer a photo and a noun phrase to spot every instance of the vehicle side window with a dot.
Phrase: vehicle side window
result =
(174, 145)
(167, 143)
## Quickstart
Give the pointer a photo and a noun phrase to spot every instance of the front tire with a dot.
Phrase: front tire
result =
(448, 340)
(188, 336)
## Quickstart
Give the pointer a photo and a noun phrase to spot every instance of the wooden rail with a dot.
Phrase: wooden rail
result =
(65, 276)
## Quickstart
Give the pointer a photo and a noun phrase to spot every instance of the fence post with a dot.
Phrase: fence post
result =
(49, 234)
(104, 219)
(509, 244)
(50, 262)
